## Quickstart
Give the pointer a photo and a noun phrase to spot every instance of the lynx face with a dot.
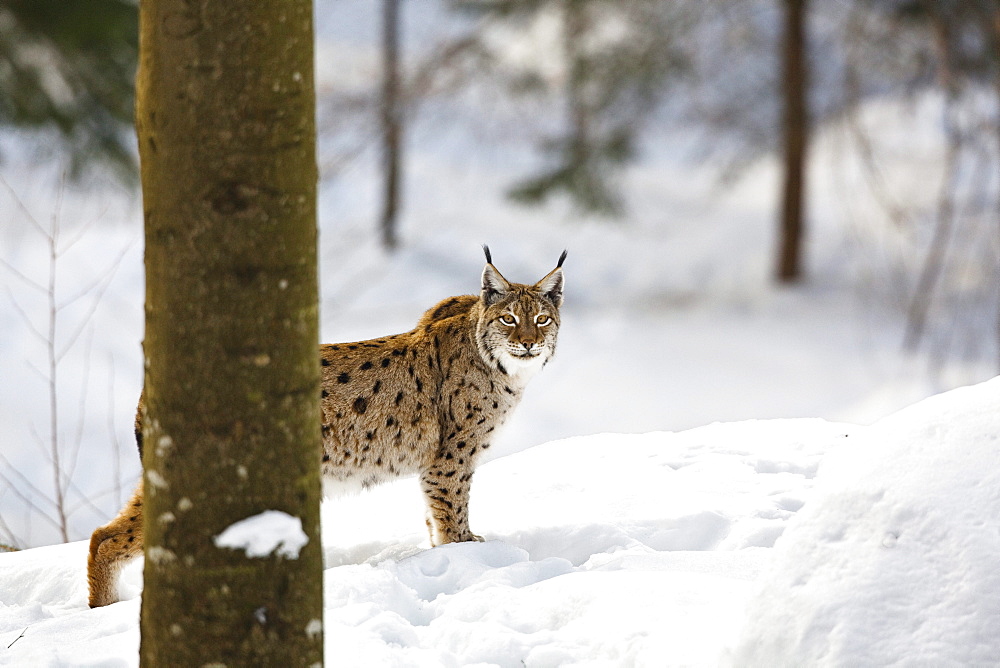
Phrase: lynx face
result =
(518, 326)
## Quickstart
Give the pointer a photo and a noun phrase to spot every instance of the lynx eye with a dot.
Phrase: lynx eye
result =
(508, 320)
(542, 320)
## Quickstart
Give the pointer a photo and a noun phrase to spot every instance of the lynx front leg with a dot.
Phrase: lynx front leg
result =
(111, 547)
(446, 493)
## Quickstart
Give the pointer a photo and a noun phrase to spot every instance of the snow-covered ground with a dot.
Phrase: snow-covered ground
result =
(758, 543)
(895, 560)
(621, 529)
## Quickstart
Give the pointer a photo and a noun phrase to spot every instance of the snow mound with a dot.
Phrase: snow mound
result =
(609, 549)
(896, 560)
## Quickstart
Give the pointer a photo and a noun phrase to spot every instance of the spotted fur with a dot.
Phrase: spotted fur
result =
(427, 402)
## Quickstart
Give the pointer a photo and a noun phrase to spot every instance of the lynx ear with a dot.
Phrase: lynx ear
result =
(552, 285)
(495, 286)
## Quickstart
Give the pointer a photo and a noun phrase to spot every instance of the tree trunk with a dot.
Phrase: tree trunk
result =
(391, 123)
(993, 30)
(796, 135)
(934, 264)
(581, 141)
(225, 121)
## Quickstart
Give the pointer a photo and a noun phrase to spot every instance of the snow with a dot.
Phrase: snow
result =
(896, 560)
(264, 534)
(757, 543)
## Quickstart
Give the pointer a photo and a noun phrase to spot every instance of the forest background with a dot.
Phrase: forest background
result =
(773, 209)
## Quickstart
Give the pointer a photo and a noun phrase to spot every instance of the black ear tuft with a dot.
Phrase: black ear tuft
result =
(489, 258)
(562, 258)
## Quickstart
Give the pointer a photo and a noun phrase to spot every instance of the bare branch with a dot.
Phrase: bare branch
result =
(107, 279)
(26, 318)
(88, 501)
(40, 443)
(31, 367)
(113, 433)
(100, 283)
(74, 454)
(24, 209)
(27, 500)
(82, 231)
(30, 282)
(55, 227)
(85, 500)
(18, 638)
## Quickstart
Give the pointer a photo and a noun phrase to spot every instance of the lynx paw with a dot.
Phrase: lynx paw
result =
(443, 538)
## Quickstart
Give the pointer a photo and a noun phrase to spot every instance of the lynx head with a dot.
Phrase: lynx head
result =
(518, 324)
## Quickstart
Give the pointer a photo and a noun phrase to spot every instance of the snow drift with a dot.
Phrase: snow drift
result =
(778, 542)
(897, 560)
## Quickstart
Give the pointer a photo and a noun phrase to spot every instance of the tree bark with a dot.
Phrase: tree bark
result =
(225, 120)
(796, 136)
(392, 130)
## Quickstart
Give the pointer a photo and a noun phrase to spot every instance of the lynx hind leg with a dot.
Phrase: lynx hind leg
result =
(112, 546)
(446, 493)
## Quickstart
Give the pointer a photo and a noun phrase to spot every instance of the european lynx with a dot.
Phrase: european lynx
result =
(425, 402)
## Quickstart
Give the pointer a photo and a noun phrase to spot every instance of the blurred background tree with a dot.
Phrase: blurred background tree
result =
(392, 123)
(795, 134)
(606, 71)
(67, 69)
(902, 48)
(599, 86)
(608, 67)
